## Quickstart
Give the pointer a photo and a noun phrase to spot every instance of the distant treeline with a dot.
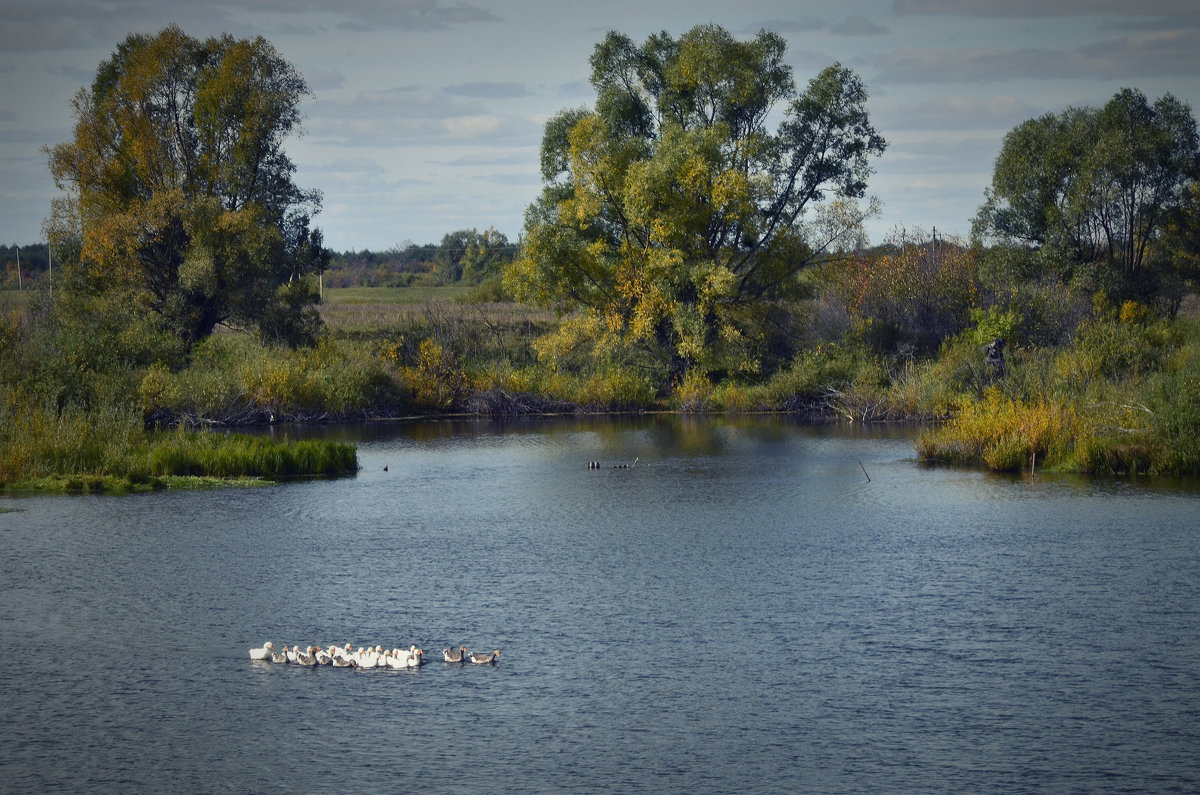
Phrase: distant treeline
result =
(34, 262)
(394, 267)
(465, 255)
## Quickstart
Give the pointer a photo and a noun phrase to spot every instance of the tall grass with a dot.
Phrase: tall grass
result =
(234, 379)
(109, 448)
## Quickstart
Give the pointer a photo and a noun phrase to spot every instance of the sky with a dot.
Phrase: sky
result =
(426, 116)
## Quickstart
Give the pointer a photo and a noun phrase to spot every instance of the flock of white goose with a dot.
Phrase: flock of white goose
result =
(370, 657)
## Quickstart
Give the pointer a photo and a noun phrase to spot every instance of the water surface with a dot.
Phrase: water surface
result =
(742, 608)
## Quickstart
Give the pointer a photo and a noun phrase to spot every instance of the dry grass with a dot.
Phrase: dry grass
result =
(361, 310)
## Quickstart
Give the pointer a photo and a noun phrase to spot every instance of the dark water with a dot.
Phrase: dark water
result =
(741, 610)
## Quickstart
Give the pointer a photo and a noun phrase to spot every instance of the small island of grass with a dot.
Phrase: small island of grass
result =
(112, 451)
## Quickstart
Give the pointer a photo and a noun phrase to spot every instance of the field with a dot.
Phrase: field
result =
(357, 311)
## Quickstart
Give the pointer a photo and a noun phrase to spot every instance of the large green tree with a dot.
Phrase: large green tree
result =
(1094, 185)
(179, 195)
(673, 217)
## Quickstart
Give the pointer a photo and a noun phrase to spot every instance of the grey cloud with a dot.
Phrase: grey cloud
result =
(911, 65)
(323, 79)
(487, 90)
(1144, 54)
(807, 62)
(1040, 9)
(527, 178)
(575, 89)
(808, 24)
(938, 155)
(417, 15)
(298, 29)
(405, 117)
(493, 159)
(858, 25)
(74, 24)
(955, 113)
(35, 137)
(73, 73)
(404, 102)
(61, 25)
(1137, 56)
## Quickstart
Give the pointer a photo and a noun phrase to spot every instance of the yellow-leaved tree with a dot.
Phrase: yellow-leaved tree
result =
(674, 220)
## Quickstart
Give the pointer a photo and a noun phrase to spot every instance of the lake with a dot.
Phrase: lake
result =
(721, 605)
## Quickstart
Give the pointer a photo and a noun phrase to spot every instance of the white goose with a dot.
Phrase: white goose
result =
(292, 653)
(397, 658)
(414, 657)
(263, 653)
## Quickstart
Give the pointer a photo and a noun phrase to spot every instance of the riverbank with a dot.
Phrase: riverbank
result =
(1121, 396)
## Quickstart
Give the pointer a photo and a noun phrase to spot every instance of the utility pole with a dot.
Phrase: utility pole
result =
(19, 286)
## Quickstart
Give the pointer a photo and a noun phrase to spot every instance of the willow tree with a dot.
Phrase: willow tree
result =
(179, 191)
(673, 217)
(1094, 185)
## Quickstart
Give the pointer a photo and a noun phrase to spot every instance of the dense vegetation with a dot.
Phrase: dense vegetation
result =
(681, 257)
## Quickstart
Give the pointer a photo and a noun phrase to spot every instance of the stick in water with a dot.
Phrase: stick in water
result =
(864, 469)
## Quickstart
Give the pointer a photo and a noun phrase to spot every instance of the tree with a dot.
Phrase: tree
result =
(1094, 185)
(1179, 246)
(909, 294)
(471, 256)
(671, 214)
(486, 256)
(179, 195)
(448, 259)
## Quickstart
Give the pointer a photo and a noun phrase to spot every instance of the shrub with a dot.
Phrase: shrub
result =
(1001, 433)
(693, 393)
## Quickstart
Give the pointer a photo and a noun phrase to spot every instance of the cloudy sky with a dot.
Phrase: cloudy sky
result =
(427, 115)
